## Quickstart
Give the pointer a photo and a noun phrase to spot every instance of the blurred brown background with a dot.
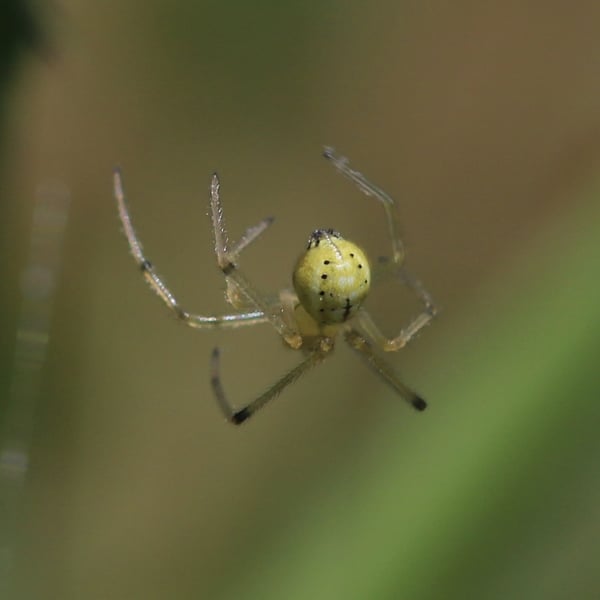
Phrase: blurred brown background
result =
(483, 121)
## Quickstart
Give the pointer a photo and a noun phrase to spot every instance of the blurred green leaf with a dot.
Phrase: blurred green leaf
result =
(500, 489)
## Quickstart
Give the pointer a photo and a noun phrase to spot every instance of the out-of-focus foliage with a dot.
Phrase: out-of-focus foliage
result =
(498, 497)
(483, 121)
(19, 29)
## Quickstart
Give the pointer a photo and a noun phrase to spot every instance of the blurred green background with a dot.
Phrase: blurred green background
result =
(483, 120)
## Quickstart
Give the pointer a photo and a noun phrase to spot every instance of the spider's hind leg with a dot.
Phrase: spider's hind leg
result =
(238, 416)
(365, 350)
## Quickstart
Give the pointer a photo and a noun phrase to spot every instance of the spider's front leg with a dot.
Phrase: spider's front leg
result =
(395, 265)
(160, 287)
(237, 282)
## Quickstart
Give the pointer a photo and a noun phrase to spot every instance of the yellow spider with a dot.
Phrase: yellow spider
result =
(331, 280)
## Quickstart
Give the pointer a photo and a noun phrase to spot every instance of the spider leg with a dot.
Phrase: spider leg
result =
(238, 416)
(414, 326)
(251, 234)
(366, 351)
(393, 267)
(342, 164)
(236, 280)
(159, 286)
(232, 294)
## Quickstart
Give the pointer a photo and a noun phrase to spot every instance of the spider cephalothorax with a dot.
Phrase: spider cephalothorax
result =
(331, 280)
(314, 239)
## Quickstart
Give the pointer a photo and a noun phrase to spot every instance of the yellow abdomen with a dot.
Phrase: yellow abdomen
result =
(332, 278)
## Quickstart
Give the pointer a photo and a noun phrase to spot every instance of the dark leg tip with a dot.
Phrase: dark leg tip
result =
(240, 416)
(419, 404)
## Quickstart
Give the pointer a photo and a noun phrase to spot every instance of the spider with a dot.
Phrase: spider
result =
(331, 280)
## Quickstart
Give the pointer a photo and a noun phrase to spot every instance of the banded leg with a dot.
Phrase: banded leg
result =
(366, 351)
(393, 267)
(238, 416)
(159, 286)
(236, 281)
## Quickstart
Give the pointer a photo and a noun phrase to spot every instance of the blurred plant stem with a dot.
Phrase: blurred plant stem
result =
(38, 283)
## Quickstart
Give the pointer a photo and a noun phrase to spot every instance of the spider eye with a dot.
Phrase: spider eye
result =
(320, 234)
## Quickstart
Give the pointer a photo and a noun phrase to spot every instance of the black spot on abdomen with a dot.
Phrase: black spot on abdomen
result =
(347, 309)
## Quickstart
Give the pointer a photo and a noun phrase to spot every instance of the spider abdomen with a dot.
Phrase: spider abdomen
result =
(332, 278)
